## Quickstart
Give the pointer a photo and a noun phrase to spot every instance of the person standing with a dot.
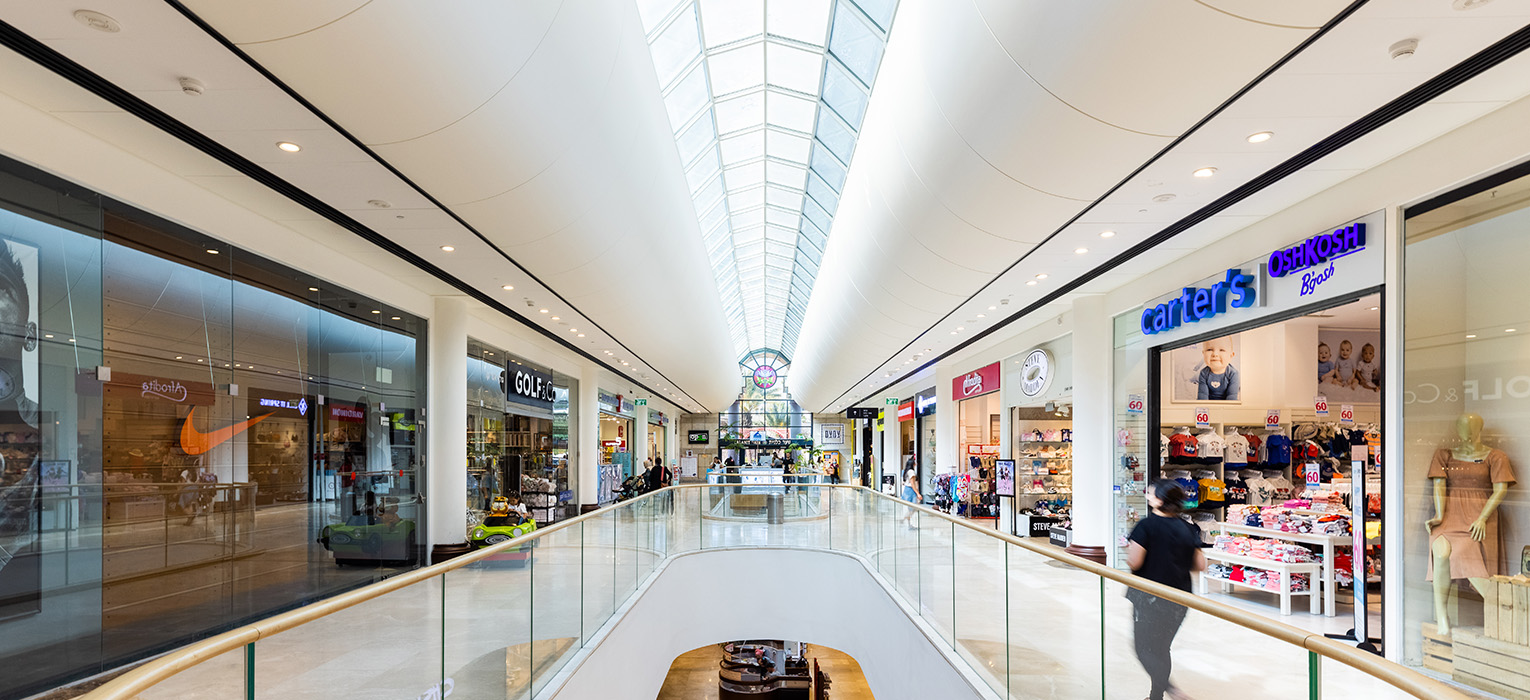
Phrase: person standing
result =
(1166, 549)
(910, 494)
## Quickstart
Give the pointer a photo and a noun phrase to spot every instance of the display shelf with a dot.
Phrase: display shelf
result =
(1285, 569)
(1043, 442)
(1330, 544)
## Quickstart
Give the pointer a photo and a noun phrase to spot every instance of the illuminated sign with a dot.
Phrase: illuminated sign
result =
(906, 410)
(924, 403)
(300, 405)
(976, 383)
(530, 386)
(1316, 250)
(1198, 303)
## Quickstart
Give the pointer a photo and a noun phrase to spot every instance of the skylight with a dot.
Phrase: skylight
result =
(766, 99)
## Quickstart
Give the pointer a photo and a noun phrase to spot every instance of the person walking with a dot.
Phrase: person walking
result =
(1166, 549)
(910, 494)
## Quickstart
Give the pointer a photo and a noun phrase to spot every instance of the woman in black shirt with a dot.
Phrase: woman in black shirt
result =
(1164, 548)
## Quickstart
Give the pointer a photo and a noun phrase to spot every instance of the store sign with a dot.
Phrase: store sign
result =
(924, 402)
(906, 410)
(698, 437)
(1134, 403)
(774, 444)
(833, 434)
(161, 389)
(976, 383)
(1236, 290)
(1315, 251)
(863, 413)
(979, 450)
(530, 386)
(347, 413)
(300, 405)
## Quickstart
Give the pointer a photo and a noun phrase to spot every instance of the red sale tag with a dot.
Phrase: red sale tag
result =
(1346, 414)
(1272, 418)
(1320, 405)
(1203, 418)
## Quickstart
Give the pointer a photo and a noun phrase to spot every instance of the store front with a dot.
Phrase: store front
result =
(908, 445)
(924, 439)
(970, 489)
(518, 435)
(1259, 390)
(616, 425)
(1038, 397)
(1465, 402)
(657, 444)
(863, 464)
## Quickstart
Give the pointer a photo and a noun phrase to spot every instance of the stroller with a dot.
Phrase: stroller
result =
(632, 487)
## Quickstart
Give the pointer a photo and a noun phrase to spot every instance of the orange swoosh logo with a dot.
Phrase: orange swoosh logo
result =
(196, 442)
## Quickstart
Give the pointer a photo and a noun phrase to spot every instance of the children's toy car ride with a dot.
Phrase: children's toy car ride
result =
(368, 539)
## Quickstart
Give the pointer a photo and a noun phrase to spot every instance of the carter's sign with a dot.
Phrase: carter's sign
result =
(1236, 290)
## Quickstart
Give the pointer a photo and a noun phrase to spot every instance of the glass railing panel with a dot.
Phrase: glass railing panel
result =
(556, 616)
(979, 605)
(937, 574)
(219, 678)
(905, 553)
(599, 570)
(886, 521)
(1201, 655)
(1341, 681)
(388, 646)
(625, 560)
(487, 636)
(1052, 629)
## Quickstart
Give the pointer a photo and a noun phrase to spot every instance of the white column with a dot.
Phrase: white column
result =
(1093, 355)
(892, 446)
(587, 452)
(640, 446)
(446, 425)
(948, 421)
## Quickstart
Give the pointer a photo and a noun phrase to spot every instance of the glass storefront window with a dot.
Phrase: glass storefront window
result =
(1466, 412)
(518, 446)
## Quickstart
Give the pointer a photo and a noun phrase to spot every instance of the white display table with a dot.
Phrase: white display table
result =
(1330, 544)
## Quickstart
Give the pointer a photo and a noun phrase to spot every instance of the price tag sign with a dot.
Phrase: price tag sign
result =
(1320, 405)
(1203, 418)
(1347, 414)
(1134, 403)
(1272, 418)
(1314, 475)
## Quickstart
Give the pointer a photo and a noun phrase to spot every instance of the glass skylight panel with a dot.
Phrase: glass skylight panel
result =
(746, 146)
(676, 46)
(785, 146)
(742, 112)
(790, 112)
(833, 133)
(793, 68)
(737, 69)
(806, 21)
(727, 21)
(752, 98)
(786, 175)
(829, 168)
(854, 43)
(688, 98)
(696, 137)
(782, 197)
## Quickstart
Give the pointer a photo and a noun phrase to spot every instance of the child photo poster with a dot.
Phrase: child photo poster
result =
(1206, 371)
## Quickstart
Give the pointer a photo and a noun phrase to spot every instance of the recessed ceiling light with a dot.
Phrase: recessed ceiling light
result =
(397, 318)
(1471, 335)
(1041, 276)
(1205, 172)
(1080, 251)
(212, 251)
(508, 287)
(573, 330)
(581, 335)
(953, 332)
(288, 146)
(313, 289)
(608, 352)
(541, 311)
(375, 311)
(625, 363)
(961, 328)
(1506, 330)
(447, 248)
(1165, 197)
(982, 316)
(71, 340)
(1107, 234)
(1260, 137)
(48, 335)
(177, 357)
(1373, 308)
(991, 308)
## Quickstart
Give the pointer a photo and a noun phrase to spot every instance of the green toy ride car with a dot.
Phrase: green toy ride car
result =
(361, 538)
(500, 527)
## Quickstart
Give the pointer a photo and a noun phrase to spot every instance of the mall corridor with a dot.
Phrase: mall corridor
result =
(764, 349)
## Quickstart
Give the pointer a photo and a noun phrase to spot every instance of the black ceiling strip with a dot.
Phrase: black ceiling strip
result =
(21, 43)
(36, 51)
(1267, 72)
(1451, 78)
(231, 47)
(1496, 179)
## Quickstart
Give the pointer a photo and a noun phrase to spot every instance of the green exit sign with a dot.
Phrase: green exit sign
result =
(890, 402)
(641, 402)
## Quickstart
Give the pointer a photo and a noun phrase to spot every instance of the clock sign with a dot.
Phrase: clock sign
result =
(1035, 373)
(765, 376)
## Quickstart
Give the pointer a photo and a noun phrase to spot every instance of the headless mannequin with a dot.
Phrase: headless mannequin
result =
(1471, 449)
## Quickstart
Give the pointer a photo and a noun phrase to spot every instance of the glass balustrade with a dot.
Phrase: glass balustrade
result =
(506, 621)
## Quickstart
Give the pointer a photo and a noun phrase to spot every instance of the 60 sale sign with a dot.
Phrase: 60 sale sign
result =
(1202, 418)
(1272, 418)
(1347, 414)
(1134, 403)
(1320, 405)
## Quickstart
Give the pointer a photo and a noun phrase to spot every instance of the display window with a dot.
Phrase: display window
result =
(924, 439)
(518, 436)
(968, 489)
(1260, 391)
(1466, 405)
(616, 463)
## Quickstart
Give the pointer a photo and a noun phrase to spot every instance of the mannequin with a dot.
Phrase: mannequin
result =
(1463, 534)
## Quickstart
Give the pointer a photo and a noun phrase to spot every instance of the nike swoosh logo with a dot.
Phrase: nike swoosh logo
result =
(196, 442)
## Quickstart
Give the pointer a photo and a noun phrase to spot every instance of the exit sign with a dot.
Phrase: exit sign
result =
(890, 402)
(641, 402)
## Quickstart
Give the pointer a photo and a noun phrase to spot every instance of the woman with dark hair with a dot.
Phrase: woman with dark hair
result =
(1164, 548)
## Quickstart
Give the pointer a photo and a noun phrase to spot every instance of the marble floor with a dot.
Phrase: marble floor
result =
(1032, 627)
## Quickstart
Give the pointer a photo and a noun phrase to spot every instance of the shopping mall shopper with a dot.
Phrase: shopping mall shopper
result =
(910, 494)
(1163, 548)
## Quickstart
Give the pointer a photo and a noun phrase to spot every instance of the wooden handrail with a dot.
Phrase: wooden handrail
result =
(140, 679)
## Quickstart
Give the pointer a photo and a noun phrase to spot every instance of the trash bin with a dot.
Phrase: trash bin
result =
(773, 509)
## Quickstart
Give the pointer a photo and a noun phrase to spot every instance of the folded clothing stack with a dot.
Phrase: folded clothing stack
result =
(1283, 520)
(1258, 578)
(1259, 548)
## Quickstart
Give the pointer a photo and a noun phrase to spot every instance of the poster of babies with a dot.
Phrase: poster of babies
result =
(1348, 366)
(1206, 371)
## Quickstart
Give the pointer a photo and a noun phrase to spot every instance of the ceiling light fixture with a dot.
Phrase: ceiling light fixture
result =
(1471, 335)
(447, 248)
(1107, 234)
(1506, 330)
(1080, 251)
(397, 318)
(288, 146)
(508, 287)
(313, 289)
(380, 203)
(1030, 283)
(1373, 308)
(1165, 197)
(991, 308)
(573, 330)
(555, 318)
(541, 311)
(982, 315)
(1041, 276)
(1204, 172)
(581, 335)
(1261, 137)
(212, 251)
(375, 311)
(97, 21)
(961, 328)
